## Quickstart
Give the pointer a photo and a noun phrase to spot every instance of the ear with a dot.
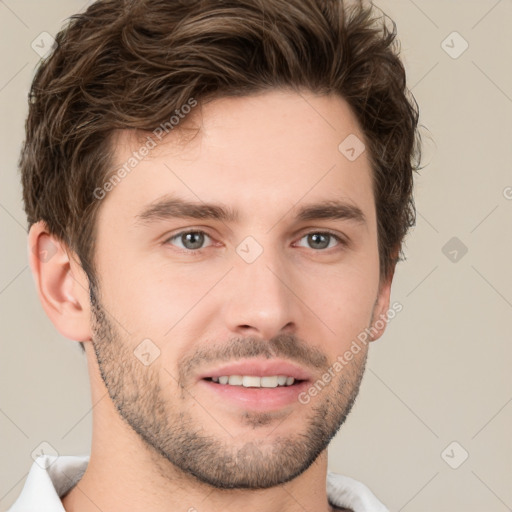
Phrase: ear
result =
(61, 283)
(381, 307)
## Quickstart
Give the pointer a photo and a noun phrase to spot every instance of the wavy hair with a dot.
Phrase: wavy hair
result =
(129, 64)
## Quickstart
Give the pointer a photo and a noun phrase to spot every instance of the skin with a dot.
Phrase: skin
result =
(265, 156)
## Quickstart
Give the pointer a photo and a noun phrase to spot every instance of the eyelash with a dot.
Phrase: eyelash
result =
(342, 242)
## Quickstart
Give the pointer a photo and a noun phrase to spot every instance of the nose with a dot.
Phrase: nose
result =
(261, 298)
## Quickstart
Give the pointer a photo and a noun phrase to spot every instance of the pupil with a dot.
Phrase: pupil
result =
(190, 237)
(315, 239)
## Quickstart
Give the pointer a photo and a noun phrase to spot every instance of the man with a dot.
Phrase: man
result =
(217, 194)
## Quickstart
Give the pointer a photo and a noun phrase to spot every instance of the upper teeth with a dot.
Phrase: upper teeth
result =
(250, 381)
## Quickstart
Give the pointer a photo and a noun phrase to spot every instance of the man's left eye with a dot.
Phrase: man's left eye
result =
(322, 240)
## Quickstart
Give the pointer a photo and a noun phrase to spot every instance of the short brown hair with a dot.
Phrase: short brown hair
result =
(129, 64)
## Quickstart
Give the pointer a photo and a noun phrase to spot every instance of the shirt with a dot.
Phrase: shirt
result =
(51, 477)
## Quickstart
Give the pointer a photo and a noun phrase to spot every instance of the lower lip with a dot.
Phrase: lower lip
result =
(258, 399)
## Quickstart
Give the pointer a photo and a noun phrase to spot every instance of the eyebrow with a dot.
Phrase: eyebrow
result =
(170, 207)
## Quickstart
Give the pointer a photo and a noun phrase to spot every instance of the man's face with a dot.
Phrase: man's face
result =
(266, 294)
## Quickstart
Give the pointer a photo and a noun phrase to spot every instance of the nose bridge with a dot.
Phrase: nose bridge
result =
(260, 298)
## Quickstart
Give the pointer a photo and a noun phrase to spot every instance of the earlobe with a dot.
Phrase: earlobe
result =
(381, 308)
(60, 282)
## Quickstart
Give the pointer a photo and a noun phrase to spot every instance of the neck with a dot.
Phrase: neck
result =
(117, 479)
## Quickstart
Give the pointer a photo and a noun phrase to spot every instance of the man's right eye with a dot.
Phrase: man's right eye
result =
(191, 240)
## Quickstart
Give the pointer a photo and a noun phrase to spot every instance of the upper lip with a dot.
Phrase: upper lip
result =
(260, 368)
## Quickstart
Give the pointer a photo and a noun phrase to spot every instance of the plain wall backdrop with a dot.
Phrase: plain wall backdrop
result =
(438, 383)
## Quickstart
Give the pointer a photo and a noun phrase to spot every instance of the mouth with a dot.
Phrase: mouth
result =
(255, 381)
(256, 385)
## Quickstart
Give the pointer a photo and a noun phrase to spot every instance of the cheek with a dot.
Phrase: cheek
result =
(343, 299)
(156, 300)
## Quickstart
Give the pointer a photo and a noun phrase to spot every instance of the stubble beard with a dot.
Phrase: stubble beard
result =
(170, 431)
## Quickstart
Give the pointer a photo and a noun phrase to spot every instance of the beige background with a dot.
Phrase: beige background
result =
(441, 373)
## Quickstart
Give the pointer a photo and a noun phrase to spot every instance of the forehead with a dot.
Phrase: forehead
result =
(258, 154)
